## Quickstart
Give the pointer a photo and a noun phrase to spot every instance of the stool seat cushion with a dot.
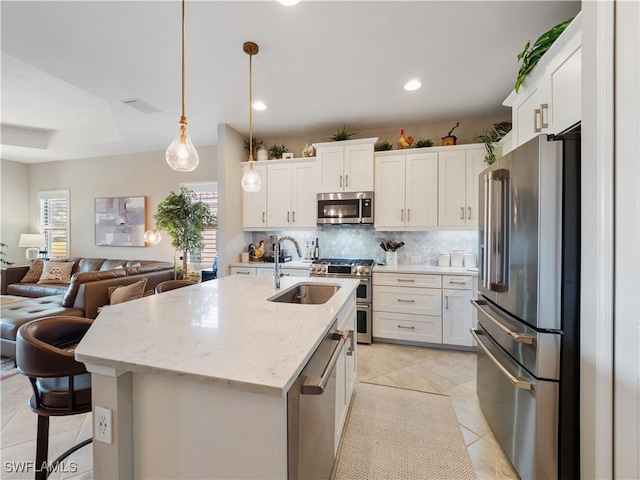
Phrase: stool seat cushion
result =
(53, 393)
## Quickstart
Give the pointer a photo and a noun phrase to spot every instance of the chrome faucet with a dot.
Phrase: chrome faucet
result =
(277, 270)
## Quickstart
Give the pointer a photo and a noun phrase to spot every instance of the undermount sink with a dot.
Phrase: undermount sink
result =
(306, 294)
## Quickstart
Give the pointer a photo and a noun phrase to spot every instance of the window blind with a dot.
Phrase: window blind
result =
(54, 221)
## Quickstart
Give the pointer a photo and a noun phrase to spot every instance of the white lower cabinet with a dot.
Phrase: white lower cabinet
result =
(423, 308)
(287, 272)
(345, 372)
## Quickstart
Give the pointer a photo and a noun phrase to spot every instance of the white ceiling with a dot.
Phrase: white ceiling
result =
(322, 64)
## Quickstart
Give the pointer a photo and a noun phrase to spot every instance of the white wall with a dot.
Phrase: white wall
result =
(142, 174)
(14, 209)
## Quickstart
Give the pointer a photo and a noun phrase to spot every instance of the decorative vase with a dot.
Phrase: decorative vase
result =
(263, 154)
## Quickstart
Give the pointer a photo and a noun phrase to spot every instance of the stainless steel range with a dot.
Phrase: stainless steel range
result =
(361, 269)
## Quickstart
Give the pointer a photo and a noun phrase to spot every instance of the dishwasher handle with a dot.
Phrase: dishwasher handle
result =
(316, 385)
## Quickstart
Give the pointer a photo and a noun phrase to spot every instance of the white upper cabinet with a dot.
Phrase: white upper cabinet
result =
(458, 172)
(345, 166)
(291, 196)
(287, 198)
(549, 99)
(254, 204)
(406, 190)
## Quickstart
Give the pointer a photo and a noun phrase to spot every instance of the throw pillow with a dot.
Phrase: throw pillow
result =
(34, 273)
(124, 293)
(56, 272)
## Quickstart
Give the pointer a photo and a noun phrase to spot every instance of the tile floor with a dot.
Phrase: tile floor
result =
(446, 372)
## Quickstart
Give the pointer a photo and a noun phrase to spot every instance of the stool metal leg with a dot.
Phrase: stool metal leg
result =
(42, 448)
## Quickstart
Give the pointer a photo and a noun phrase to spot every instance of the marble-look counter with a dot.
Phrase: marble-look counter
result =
(223, 331)
(426, 269)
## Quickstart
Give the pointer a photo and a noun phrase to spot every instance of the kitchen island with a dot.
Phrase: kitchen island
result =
(197, 378)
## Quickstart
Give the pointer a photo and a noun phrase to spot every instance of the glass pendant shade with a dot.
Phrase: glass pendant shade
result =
(181, 154)
(152, 237)
(251, 181)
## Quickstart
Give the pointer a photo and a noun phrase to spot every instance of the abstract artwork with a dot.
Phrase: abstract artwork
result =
(120, 221)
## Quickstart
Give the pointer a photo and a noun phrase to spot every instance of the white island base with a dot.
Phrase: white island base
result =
(197, 378)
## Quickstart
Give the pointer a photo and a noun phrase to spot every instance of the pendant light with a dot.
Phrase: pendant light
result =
(251, 181)
(181, 154)
(152, 236)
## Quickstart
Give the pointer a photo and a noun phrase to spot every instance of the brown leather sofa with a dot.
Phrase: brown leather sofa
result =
(87, 291)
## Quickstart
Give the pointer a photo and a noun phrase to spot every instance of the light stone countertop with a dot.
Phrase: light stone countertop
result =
(426, 269)
(224, 331)
(298, 264)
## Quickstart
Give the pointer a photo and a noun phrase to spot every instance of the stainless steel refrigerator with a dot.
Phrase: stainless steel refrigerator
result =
(528, 305)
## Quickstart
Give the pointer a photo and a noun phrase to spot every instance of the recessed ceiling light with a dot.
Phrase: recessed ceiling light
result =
(288, 3)
(259, 106)
(412, 85)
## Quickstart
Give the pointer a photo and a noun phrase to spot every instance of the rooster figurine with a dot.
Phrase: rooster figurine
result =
(405, 142)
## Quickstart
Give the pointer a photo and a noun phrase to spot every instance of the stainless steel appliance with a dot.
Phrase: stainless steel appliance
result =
(311, 403)
(352, 268)
(345, 207)
(528, 305)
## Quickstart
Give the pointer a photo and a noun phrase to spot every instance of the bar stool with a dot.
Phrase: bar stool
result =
(61, 385)
(172, 285)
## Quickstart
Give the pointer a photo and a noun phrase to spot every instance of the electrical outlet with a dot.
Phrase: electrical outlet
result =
(102, 425)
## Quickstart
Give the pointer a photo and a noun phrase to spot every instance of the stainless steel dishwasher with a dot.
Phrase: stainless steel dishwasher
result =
(311, 404)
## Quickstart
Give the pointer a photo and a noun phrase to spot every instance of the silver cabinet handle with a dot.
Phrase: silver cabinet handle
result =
(457, 282)
(537, 121)
(469, 218)
(262, 217)
(410, 280)
(412, 327)
(544, 115)
(243, 273)
(446, 302)
(461, 213)
(341, 181)
(346, 180)
(402, 214)
(518, 337)
(408, 215)
(352, 344)
(402, 300)
(293, 217)
(316, 386)
(287, 217)
(517, 382)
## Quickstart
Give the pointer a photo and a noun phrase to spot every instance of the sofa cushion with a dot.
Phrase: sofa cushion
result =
(75, 260)
(34, 290)
(34, 273)
(84, 277)
(56, 272)
(90, 265)
(124, 293)
(149, 267)
(16, 314)
(111, 264)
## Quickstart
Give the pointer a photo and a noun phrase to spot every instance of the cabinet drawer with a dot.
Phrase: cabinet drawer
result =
(407, 280)
(242, 271)
(425, 301)
(401, 326)
(462, 282)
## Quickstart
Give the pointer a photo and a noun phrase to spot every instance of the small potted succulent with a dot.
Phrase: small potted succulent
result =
(342, 134)
(423, 142)
(382, 146)
(276, 151)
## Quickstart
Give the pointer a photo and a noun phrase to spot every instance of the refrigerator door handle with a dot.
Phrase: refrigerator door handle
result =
(486, 243)
(518, 337)
(517, 382)
(502, 177)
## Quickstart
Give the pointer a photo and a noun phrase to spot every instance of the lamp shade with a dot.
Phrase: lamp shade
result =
(31, 240)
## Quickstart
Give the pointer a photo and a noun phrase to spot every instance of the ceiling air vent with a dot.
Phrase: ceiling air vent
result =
(139, 105)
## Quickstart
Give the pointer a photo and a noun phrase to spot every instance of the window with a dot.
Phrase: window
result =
(54, 221)
(207, 193)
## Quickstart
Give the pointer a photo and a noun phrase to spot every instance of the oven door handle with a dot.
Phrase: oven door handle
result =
(316, 386)
(517, 382)
(518, 337)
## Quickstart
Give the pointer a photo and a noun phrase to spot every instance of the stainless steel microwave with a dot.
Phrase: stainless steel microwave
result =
(345, 207)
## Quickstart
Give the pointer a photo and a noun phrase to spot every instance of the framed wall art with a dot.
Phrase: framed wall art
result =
(120, 221)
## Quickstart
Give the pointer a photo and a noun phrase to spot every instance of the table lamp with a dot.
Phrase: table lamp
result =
(33, 242)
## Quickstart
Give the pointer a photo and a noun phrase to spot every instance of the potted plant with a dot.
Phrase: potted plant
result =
(423, 142)
(530, 56)
(489, 139)
(382, 146)
(342, 134)
(3, 260)
(184, 218)
(276, 151)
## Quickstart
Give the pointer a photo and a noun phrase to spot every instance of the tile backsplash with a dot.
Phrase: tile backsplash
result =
(362, 241)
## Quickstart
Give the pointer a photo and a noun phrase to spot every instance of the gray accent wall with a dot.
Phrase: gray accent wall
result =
(14, 209)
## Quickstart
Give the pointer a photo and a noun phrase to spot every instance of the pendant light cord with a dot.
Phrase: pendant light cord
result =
(250, 109)
(183, 96)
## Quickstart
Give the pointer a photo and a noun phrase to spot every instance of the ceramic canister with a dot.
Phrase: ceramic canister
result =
(456, 257)
(443, 259)
(470, 260)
